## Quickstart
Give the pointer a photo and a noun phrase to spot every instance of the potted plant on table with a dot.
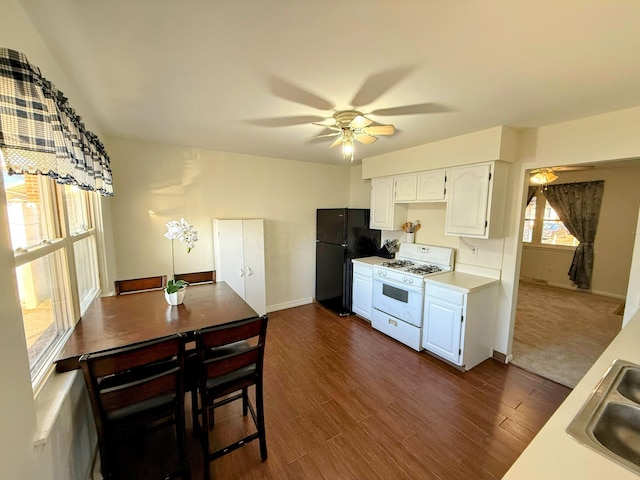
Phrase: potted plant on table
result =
(184, 232)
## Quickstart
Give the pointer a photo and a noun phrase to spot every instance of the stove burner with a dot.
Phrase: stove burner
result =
(424, 269)
(397, 263)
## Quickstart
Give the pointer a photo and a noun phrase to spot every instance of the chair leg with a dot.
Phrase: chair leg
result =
(194, 412)
(204, 434)
(181, 434)
(245, 401)
(262, 437)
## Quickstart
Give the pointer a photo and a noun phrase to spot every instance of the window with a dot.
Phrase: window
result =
(543, 226)
(54, 241)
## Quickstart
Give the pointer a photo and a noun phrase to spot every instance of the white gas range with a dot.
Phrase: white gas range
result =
(398, 290)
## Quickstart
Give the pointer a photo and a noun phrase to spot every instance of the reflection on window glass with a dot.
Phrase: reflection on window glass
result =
(553, 230)
(86, 270)
(41, 289)
(25, 208)
(77, 209)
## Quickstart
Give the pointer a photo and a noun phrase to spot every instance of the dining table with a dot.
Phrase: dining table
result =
(121, 320)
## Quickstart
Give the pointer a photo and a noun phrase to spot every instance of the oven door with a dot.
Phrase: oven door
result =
(399, 300)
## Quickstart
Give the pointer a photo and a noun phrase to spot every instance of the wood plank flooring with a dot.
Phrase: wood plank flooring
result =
(344, 401)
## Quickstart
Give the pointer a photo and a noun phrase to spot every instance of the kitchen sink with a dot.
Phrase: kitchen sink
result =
(609, 422)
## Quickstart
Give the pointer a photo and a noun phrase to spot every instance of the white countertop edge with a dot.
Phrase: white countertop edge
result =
(465, 282)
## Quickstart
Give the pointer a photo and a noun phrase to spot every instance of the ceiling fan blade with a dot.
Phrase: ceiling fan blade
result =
(366, 139)
(378, 84)
(360, 121)
(288, 91)
(336, 143)
(411, 109)
(322, 136)
(285, 121)
(379, 130)
(330, 127)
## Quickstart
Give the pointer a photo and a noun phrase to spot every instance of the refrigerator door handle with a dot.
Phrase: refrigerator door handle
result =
(344, 245)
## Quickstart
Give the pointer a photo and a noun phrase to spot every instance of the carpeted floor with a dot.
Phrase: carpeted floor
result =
(559, 333)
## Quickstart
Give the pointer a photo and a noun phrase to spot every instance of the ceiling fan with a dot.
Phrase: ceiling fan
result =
(350, 126)
(544, 176)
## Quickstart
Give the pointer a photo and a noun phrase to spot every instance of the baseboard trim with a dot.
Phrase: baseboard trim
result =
(285, 305)
(501, 357)
(539, 281)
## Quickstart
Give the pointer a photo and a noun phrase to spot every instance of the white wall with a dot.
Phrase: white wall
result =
(200, 185)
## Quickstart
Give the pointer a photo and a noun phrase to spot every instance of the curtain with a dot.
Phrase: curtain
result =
(578, 206)
(41, 134)
(531, 193)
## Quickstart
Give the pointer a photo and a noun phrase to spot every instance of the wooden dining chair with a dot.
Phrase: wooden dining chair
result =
(134, 391)
(140, 284)
(197, 277)
(229, 360)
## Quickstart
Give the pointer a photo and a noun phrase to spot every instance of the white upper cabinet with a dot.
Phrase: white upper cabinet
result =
(475, 200)
(385, 213)
(406, 187)
(431, 186)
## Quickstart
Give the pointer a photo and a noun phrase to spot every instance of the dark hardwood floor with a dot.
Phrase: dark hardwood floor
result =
(344, 401)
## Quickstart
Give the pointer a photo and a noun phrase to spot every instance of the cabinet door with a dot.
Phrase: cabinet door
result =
(362, 295)
(405, 187)
(467, 200)
(382, 203)
(431, 185)
(442, 329)
(229, 254)
(254, 273)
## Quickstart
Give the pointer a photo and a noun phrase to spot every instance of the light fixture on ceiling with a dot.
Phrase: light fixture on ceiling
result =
(351, 126)
(544, 176)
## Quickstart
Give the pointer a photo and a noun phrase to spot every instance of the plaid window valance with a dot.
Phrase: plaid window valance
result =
(41, 134)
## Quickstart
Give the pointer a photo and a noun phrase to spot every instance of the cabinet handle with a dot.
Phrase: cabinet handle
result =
(249, 272)
(241, 272)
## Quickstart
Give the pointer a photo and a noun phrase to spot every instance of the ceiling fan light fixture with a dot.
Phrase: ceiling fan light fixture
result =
(347, 144)
(543, 177)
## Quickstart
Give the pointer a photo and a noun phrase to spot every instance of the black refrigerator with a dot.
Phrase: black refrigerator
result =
(341, 235)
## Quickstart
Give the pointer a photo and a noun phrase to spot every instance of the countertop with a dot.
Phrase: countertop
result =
(464, 282)
(370, 260)
(553, 454)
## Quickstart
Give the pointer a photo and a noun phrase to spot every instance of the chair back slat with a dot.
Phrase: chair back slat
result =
(129, 393)
(197, 277)
(216, 367)
(219, 336)
(121, 359)
(140, 284)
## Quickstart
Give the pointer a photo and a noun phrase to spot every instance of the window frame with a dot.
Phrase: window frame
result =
(538, 222)
(66, 294)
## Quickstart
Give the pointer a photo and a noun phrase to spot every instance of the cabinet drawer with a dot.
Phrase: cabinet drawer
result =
(362, 269)
(401, 331)
(446, 294)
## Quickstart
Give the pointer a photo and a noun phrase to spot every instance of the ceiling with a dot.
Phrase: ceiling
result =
(249, 76)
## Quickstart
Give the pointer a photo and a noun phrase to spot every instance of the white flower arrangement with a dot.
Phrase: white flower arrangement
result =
(184, 232)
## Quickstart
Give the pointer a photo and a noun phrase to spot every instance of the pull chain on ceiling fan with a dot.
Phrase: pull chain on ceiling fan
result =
(351, 126)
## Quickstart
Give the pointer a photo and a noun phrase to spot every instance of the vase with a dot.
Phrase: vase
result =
(175, 298)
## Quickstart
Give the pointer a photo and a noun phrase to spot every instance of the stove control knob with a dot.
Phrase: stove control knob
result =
(410, 280)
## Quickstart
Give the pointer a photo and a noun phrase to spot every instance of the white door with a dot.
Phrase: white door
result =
(229, 254)
(362, 295)
(442, 329)
(254, 271)
(382, 203)
(467, 200)
(431, 186)
(405, 187)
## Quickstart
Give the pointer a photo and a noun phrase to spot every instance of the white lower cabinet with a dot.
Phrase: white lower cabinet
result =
(362, 295)
(458, 322)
